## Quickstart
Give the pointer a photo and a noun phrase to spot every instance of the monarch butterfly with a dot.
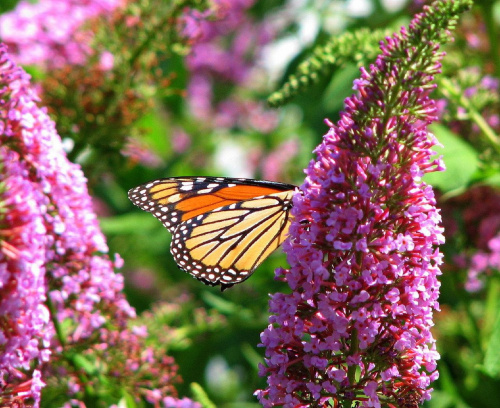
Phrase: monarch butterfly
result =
(222, 228)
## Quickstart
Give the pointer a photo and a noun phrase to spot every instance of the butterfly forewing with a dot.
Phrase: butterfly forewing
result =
(222, 228)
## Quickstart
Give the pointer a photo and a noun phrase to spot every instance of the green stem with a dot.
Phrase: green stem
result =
(351, 371)
(55, 322)
(491, 307)
(487, 132)
(493, 33)
(475, 338)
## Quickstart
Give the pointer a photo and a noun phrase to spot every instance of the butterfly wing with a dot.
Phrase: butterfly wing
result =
(224, 246)
(223, 228)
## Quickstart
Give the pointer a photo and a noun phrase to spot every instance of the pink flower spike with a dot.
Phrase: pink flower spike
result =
(51, 245)
(363, 242)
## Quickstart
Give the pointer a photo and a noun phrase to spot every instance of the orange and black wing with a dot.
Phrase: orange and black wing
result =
(222, 228)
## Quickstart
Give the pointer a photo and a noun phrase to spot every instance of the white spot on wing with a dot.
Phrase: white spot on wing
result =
(205, 191)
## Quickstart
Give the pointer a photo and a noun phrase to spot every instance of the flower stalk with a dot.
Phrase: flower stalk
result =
(453, 93)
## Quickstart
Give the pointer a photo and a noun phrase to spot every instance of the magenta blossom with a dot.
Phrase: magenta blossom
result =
(47, 32)
(224, 51)
(363, 244)
(51, 245)
(59, 294)
(483, 263)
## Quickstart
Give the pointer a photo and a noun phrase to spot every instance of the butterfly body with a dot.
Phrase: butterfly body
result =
(222, 228)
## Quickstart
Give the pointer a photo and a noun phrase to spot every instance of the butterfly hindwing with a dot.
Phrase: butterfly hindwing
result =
(223, 247)
(223, 228)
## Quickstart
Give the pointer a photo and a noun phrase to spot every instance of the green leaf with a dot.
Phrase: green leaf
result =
(253, 358)
(460, 158)
(441, 399)
(227, 307)
(492, 356)
(219, 304)
(129, 223)
(201, 396)
(127, 401)
(492, 179)
(340, 88)
(157, 131)
(7, 5)
(84, 364)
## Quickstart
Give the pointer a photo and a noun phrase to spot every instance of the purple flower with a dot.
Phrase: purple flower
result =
(138, 152)
(224, 50)
(476, 214)
(25, 332)
(53, 253)
(45, 33)
(363, 244)
(170, 402)
(483, 263)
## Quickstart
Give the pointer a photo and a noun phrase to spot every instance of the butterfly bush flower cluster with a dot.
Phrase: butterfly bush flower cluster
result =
(225, 50)
(483, 263)
(58, 288)
(363, 244)
(475, 213)
(48, 221)
(482, 215)
(47, 32)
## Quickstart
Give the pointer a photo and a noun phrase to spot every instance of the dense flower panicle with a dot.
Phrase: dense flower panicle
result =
(47, 223)
(45, 32)
(53, 253)
(225, 50)
(475, 214)
(362, 247)
(24, 330)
